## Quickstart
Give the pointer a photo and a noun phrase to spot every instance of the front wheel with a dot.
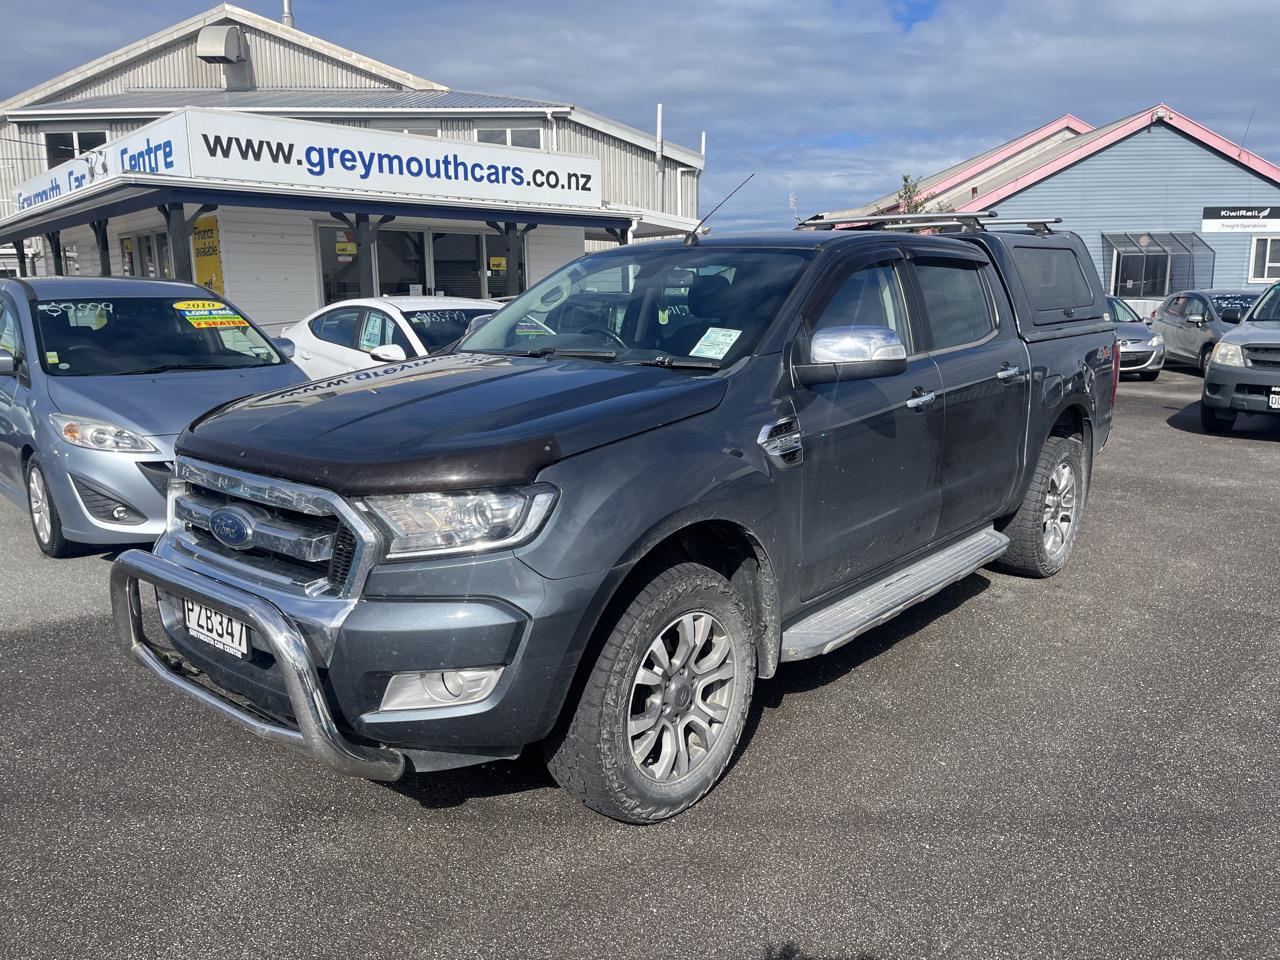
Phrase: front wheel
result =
(1205, 354)
(45, 522)
(1216, 421)
(665, 703)
(1043, 531)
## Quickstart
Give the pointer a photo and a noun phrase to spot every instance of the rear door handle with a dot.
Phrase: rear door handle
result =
(1007, 373)
(920, 399)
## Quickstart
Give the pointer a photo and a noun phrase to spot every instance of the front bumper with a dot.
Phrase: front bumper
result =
(1245, 389)
(87, 484)
(1141, 359)
(316, 733)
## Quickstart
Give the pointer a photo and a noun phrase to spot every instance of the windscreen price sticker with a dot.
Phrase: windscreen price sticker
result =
(209, 314)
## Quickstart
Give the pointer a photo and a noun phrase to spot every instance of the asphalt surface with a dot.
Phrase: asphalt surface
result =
(1079, 767)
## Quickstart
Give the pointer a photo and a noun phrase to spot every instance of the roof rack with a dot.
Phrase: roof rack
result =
(966, 221)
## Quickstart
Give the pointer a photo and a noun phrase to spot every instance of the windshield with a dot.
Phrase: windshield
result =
(1240, 301)
(1121, 312)
(83, 338)
(439, 328)
(1268, 306)
(689, 306)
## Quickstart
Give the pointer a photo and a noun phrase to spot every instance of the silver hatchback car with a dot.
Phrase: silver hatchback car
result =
(98, 376)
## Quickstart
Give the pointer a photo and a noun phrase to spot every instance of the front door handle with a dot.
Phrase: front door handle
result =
(921, 399)
(1007, 372)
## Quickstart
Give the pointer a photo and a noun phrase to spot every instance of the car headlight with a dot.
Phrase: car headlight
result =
(99, 435)
(1228, 354)
(1156, 341)
(438, 524)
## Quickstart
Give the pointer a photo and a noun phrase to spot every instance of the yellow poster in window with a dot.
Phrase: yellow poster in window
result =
(208, 250)
(498, 264)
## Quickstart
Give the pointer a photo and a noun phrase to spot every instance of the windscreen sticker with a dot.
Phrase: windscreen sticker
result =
(92, 314)
(209, 314)
(51, 357)
(715, 343)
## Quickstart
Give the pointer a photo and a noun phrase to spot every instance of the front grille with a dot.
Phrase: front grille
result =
(1266, 358)
(283, 532)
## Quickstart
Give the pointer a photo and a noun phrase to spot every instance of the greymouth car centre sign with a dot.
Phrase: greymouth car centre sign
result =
(227, 146)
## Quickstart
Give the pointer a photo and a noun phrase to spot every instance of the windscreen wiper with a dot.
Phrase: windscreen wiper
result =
(583, 354)
(166, 367)
(678, 363)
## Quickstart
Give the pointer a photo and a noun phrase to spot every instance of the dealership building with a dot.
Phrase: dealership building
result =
(286, 173)
(1163, 203)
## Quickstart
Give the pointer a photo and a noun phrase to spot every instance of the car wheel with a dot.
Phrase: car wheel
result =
(665, 703)
(1216, 421)
(1148, 375)
(45, 522)
(1043, 531)
(1205, 354)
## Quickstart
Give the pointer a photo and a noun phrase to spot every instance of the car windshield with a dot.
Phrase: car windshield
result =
(1121, 312)
(1267, 309)
(128, 335)
(439, 328)
(1240, 301)
(701, 307)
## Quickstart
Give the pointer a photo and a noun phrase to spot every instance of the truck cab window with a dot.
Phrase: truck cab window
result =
(956, 301)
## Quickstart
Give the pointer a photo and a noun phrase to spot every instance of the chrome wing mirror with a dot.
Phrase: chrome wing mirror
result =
(851, 353)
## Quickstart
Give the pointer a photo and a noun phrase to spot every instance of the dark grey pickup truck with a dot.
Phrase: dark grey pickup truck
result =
(598, 520)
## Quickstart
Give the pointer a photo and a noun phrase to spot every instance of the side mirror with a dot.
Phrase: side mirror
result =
(8, 364)
(389, 353)
(477, 322)
(285, 346)
(1230, 315)
(852, 353)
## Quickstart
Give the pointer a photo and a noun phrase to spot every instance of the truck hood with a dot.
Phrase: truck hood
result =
(161, 405)
(1254, 331)
(445, 423)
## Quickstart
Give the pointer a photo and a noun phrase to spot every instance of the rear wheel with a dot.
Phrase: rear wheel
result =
(45, 522)
(1216, 421)
(1043, 531)
(665, 703)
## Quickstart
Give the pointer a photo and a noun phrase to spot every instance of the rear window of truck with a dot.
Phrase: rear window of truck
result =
(1053, 278)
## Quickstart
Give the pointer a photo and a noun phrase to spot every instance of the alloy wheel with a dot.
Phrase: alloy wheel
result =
(1059, 509)
(681, 697)
(38, 499)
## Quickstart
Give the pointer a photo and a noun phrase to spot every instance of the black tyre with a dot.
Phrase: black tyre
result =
(1205, 354)
(1043, 531)
(43, 512)
(665, 704)
(1216, 421)
(1148, 375)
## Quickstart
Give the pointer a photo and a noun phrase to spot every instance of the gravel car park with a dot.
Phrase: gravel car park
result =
(1077, 767)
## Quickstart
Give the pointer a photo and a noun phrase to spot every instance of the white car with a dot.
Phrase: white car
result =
(353, 334)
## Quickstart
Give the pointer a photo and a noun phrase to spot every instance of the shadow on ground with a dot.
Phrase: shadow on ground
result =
(1260, 426)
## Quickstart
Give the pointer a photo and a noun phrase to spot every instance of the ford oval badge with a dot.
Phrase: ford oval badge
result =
(232, 528)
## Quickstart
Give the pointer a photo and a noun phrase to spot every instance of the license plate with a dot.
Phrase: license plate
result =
(1274, 400)
(226, 633)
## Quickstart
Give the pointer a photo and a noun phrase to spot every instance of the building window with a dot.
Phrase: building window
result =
(146, 255)
(1264, 265)
(1153, 265)
(511, 136)
(64, 146)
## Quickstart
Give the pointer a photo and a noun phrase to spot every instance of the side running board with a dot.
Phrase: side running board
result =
(836, 625)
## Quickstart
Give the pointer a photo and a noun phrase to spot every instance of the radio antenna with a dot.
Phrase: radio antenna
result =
(691, 238)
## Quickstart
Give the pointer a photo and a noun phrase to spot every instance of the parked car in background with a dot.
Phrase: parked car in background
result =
(354, 334)
(1141, 348)
(597, 521)
(1243, 375)
(97, 378)
(1194, 320)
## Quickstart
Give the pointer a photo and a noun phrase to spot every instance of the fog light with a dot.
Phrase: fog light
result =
(439, 688)
(120, 513)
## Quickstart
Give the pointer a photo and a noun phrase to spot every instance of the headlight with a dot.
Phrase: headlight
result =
(1156, 341)
(436, 524)
(1228, 354)
(99, 435)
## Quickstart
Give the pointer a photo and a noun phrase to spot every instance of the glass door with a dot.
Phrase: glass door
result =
(402, 263)
(458, 265)
(339, 266)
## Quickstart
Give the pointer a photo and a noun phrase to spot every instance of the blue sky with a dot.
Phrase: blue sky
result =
(832, 100)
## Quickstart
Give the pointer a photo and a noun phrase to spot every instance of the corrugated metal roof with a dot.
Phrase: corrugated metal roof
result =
(285, 99)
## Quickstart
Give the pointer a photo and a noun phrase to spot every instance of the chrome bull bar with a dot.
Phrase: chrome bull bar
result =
(317, 735)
